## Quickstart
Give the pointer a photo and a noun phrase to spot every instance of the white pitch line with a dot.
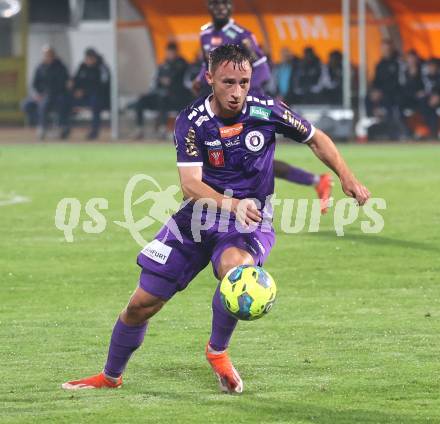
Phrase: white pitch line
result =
(15, 200)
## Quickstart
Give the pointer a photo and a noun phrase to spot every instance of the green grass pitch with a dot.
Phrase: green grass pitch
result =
(353, 338)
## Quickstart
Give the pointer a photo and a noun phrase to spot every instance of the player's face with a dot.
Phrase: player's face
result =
(220, 10)
(230, 85)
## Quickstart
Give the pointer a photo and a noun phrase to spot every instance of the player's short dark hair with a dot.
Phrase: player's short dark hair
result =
(228, 53)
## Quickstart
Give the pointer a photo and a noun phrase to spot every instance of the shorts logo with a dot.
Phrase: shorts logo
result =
(254, 141)
(227, 132)
(260, 112)
(157, 251)
(216, 157)
(213, 143)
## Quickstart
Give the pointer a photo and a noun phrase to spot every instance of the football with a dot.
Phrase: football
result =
(248, 292)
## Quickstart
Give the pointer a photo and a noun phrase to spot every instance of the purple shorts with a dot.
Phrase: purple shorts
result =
(174, 258)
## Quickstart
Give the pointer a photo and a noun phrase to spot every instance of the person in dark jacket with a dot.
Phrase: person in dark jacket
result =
(50, 94)
(307, 86)
(168, 92)
(91, 88)
(386, 77)
(430, 107)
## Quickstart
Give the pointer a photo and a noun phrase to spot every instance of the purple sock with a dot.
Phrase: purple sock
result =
(299, 176)
(223, 324)
(124, 341)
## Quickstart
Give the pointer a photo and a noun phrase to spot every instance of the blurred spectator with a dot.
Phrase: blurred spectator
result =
(91, 88)
(191, 73)
(331, 78)
(307, 81)
(411, 83)
(50, 86)
(284, 76)
(386, 77)
(168, 93)
(430, 107)
(411, 88)
(382, 123)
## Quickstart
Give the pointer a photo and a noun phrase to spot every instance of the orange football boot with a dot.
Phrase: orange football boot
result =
(324, 190)
(99, 381)
(228, 377)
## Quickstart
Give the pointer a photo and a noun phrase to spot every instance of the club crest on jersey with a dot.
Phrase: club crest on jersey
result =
(233, 130)
(216, 157)
(254, 141)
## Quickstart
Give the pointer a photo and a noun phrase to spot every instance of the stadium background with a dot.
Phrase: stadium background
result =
(133, 35)
(353, 337)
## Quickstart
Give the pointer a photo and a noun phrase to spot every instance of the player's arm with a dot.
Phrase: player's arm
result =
(324, 148)
(295, 127)
(194, 188)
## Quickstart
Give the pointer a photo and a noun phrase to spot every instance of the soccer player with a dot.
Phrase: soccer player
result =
(223, 30)
(222, 147)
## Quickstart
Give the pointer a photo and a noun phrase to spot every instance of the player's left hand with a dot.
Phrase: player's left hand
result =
(246, 212)
(353, 188)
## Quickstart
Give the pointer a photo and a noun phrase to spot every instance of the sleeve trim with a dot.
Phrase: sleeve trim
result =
(312, 133)
(186, 164)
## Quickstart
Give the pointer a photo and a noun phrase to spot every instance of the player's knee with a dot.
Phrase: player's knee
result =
(231, 258)
(143, 306)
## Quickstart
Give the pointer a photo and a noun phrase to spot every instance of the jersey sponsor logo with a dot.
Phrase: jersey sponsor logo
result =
(294, 122)
(232, 143)
(254, 141)
(190, 143)
(260, 112)
(216, 157)
(201, 120)
(157, 251)
(213, 143)
(233, 130)
(231, 34)
(216, 41)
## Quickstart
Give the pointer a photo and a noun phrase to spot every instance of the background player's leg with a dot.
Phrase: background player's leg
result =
(129, 330)
(295, 175)
(223, 324)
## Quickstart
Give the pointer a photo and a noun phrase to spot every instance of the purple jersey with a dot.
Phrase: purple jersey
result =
(232, 33)
(237, 154)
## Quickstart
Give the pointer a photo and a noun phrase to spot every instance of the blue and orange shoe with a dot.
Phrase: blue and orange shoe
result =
(99, 381)
(324, 190)
(228, 377)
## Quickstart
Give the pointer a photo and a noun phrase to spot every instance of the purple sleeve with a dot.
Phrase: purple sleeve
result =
(290, 124)
(186, 141)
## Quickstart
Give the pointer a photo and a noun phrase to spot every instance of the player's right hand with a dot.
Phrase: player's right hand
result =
(246, 212)
(353, 188)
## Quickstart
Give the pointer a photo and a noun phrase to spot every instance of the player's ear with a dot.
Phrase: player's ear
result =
(208, 77)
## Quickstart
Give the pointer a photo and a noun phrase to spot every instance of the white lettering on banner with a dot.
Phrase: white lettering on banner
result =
(157, 251)
(301, 26)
